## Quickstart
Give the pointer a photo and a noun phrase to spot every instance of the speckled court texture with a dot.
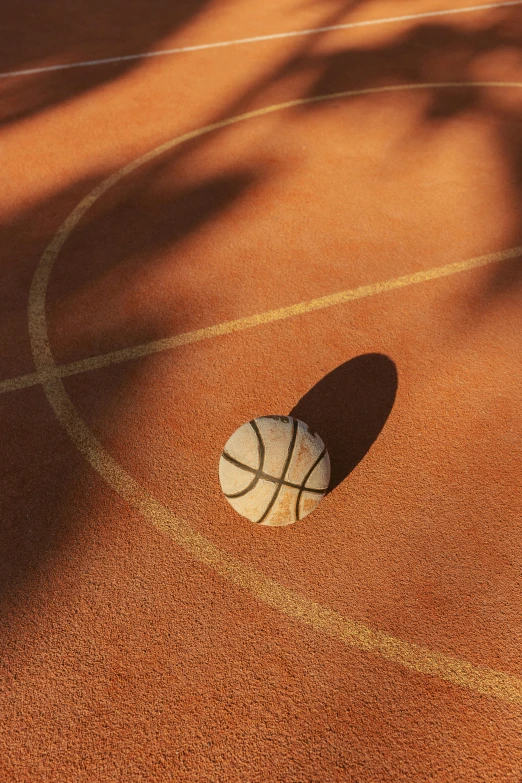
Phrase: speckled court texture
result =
(323, 221)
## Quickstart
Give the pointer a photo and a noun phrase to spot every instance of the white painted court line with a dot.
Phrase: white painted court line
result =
(257, 39)
(278, 597)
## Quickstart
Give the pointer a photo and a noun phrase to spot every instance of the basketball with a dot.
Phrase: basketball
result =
(274, 470)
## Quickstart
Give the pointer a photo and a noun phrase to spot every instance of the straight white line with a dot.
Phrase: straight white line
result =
(258, 38)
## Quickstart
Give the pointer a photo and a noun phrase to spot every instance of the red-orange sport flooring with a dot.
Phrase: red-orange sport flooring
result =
(213, 211)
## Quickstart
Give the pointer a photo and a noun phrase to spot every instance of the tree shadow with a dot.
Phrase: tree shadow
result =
(441, 54)
(110, 250)
(115, 250)
(89, 34)
(348, 408)
(37, 35)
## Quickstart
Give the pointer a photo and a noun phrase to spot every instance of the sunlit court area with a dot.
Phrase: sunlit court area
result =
(223, 223)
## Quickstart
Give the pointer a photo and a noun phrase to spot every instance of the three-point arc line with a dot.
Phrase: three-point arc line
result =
(294, 606)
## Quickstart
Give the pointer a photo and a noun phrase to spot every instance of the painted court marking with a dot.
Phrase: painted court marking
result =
(480, 679)
(258, 39)
(251, 321)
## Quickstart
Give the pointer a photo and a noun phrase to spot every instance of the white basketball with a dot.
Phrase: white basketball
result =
(274, 470)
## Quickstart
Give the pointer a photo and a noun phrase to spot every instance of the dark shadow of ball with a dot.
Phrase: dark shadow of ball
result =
(348, 408)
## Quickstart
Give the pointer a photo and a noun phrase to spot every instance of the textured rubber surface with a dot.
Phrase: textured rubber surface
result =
(148, 632)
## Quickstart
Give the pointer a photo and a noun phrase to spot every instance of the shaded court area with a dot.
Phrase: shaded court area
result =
(325, 225)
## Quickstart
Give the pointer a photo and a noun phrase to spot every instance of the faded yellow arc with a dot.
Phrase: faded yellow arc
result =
(419, 659)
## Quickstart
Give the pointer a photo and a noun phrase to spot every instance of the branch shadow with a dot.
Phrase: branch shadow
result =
(438, 54)
(348, 408)
(113, 247)
(39, 480)
(86, 32)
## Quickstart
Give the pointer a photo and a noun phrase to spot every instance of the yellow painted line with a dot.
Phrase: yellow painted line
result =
(249, 322)
(22, 382)
(352, 633)
(416, 658)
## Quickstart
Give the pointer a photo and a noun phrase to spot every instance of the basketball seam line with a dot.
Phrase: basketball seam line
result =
(303, 486)
(258, 472)
(268, 477)
(283, 474)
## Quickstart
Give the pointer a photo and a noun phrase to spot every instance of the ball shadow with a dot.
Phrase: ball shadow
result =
(348, 408)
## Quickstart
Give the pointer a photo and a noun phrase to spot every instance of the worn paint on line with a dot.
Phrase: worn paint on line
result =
(479, 679)
(251, 321)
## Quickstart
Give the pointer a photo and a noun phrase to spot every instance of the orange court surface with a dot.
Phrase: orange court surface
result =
(215, 210)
